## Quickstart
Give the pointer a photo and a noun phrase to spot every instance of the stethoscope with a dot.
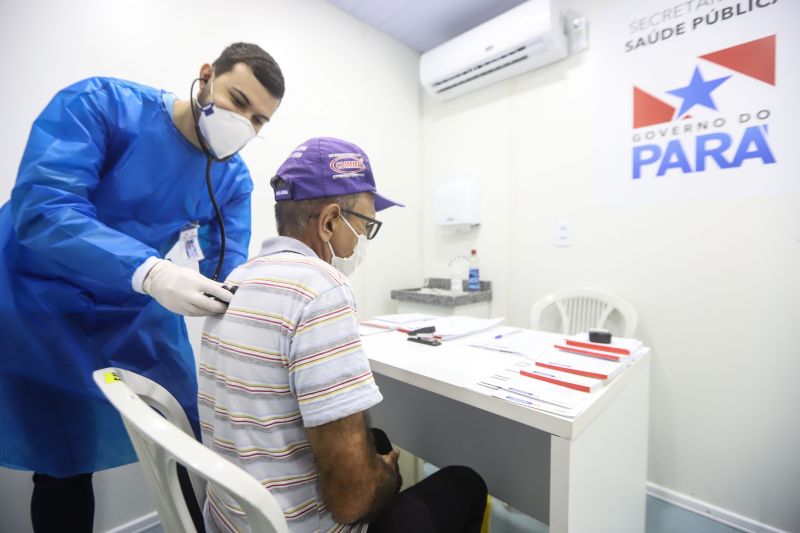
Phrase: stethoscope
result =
(209, 161)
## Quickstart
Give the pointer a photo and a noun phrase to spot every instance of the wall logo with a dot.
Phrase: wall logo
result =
(702, 142)
(349, 164)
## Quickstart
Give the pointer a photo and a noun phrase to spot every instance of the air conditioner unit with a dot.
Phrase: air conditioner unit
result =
(527, 37)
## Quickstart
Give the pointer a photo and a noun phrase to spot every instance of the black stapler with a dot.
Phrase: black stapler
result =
(424, 336)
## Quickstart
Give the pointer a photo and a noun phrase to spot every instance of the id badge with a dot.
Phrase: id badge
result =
(189, 250)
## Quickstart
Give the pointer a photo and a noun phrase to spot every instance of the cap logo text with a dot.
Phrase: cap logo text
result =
(347, 164)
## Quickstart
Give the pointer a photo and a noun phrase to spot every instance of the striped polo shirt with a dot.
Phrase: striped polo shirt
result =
(285, 356)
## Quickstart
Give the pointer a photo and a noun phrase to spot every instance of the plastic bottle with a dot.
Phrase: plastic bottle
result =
(474, 272)
(456, 285)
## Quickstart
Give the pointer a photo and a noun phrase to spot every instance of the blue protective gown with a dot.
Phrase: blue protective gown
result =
(105, 182)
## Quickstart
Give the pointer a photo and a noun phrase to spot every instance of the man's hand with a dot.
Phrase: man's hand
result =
(185, 291)
(356, 482)
(391, 461)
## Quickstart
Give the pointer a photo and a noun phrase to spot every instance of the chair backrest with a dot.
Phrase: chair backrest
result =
(160, 445)
(165, 403)
(582, 309)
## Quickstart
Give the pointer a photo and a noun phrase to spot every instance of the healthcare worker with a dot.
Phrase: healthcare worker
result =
(114, 174)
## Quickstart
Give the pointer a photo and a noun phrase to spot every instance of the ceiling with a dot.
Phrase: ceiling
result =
(424, 24)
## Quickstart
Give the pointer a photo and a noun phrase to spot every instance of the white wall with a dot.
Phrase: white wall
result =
(715, 282)
(343, 79)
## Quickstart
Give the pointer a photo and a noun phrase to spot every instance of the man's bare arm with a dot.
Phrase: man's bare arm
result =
(356, 482)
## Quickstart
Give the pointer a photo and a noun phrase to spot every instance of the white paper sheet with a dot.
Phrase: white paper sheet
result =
(512, 340)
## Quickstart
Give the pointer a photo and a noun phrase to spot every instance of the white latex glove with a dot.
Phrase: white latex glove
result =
(181, 290)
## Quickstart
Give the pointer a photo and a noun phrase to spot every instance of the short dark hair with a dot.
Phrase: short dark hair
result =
(264, 67)
(292, 216)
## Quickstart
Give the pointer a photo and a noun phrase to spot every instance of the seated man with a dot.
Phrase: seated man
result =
(284, 382)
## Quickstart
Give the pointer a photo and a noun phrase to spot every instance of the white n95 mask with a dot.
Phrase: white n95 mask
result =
(223, 131)
(347, 265)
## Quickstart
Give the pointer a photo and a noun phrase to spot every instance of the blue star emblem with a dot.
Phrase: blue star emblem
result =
(698, 92)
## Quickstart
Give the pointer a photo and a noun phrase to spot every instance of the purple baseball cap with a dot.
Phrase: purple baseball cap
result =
(323, 167)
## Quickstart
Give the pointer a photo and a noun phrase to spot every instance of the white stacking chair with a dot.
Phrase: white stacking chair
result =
(582, 309)
(165, 403)
(161, 444)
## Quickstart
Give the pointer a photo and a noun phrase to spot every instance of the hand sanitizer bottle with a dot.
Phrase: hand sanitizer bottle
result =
(474, 274)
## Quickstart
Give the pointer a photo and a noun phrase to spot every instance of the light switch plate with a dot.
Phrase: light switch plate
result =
(563, 235)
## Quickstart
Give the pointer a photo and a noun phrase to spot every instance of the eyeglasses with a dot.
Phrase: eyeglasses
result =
(371, 225)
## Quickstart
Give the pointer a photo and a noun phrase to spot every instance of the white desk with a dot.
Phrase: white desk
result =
(586, 474)
(478, 310)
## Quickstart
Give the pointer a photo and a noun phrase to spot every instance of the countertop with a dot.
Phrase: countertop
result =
(437, 292)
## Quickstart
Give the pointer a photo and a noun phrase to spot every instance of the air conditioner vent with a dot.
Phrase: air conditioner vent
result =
(480, 66)
(481, 73)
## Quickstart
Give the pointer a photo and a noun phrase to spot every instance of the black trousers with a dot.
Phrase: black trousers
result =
(452, 500)
(62, 504)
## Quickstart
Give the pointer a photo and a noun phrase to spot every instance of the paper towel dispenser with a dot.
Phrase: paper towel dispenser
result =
(458, 203)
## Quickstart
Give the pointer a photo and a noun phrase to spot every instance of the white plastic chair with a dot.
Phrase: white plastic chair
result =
(165, 403)
(582, 309)
(160, 445)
